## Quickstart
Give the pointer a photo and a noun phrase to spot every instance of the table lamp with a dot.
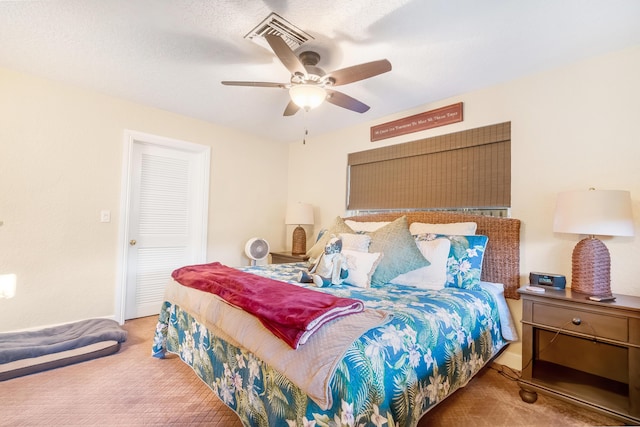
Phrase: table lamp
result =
(297, 214)
(593, 212)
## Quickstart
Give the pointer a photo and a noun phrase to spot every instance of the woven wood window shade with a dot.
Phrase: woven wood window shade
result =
(468, 169)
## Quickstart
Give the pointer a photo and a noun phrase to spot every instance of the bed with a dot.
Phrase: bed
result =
(410, 348)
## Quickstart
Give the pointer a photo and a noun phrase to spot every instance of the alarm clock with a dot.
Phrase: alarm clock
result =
(555, 281)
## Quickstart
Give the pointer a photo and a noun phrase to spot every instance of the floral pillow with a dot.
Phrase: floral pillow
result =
(464, 264)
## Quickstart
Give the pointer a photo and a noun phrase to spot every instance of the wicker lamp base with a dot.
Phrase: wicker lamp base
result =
(299, 245)
(591, 268)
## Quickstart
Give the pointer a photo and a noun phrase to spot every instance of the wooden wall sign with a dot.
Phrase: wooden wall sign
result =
(427, 120)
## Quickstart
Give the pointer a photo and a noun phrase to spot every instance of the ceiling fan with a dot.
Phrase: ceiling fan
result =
(309, 85)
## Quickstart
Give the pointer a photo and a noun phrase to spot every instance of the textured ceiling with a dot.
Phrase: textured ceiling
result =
(172, 54)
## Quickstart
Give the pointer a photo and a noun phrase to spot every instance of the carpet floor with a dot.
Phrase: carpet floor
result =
(131, 388)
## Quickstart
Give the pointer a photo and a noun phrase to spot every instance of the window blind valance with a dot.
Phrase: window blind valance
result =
(467, 169)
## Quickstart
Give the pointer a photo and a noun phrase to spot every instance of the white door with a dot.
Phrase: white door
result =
(165, 218)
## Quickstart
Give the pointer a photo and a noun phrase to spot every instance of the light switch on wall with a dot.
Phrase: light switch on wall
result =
(105, 216)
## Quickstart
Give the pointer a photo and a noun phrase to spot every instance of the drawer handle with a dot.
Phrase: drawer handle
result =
(576, 321)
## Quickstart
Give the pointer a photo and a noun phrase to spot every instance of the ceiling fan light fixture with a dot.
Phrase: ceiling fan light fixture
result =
(307, 96)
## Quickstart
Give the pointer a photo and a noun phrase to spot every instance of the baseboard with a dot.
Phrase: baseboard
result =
(511, 359)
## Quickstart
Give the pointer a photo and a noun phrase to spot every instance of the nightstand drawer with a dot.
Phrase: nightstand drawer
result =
(589, 323)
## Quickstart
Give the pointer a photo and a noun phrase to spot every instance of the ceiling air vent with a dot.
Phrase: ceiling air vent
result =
(276, 24)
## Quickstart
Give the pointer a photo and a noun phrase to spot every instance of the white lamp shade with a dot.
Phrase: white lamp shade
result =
(594, 212)
(307, 96)
(299, 213)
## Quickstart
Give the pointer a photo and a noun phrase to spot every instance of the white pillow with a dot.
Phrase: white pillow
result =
(454, 228)
(361, 266)
(355, 242)
(365, 226)
(433, 276)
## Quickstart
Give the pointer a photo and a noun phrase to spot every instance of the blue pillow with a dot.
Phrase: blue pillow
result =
(464, 265)
(401, 254)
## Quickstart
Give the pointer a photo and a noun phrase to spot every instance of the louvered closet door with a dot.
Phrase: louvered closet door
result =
(163, 231)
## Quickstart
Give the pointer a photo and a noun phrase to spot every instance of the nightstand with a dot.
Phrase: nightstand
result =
(286, 257)
(582, 351)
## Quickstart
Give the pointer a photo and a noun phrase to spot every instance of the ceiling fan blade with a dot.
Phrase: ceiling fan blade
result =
(345, 101)
(291, 109)
(288, 58)
(254, 84)
(358, 72)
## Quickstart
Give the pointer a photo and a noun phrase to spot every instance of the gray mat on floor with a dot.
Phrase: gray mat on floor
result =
(26, 352)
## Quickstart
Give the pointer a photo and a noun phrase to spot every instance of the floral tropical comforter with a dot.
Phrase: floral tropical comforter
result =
(390, 376)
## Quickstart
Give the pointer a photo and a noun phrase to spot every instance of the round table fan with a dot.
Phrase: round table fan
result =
(256, 249)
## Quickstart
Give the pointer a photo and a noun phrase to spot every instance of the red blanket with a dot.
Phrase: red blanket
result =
(290, 312)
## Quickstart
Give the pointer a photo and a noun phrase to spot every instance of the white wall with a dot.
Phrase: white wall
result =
(61, 151)
(572, 128)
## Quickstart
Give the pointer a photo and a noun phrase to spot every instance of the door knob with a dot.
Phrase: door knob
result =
(132, 242)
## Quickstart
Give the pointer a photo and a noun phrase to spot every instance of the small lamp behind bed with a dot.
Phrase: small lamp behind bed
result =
(299, 213)
(593, 212)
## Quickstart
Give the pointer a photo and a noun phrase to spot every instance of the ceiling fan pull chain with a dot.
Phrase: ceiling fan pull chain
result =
(306, 131)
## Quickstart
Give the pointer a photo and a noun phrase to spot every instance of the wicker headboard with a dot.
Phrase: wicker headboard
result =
(501, 262)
